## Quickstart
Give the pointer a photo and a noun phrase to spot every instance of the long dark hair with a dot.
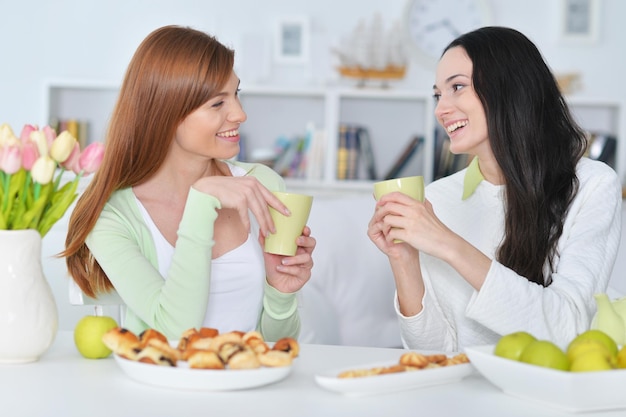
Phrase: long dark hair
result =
(173, 72)
(535, 140)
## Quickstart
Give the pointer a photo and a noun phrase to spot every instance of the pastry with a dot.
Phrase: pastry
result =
(409, 361)
(414, 359)
(154, 355)
(208, 332)
(275, 358)
(122, 342)
(148, 334)
(228, 349)
(204, 359)
(165, 347)
(244, 359)
(184, 338)
(289, 345)
(255, 341)
(220, 339)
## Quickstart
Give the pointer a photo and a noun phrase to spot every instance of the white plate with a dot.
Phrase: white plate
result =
(183, 377)
(571, 391)
(400, 381)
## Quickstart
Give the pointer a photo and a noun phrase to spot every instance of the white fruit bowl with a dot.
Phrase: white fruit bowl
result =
(570, 391)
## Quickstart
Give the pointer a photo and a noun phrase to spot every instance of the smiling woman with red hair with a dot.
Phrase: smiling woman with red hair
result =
(165, 221)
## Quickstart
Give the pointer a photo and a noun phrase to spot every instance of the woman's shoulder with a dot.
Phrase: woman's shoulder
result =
(590, 168)
(121, 197)
(268, 177)
(596, 177)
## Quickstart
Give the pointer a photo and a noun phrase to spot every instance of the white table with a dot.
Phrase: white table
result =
(63, 384)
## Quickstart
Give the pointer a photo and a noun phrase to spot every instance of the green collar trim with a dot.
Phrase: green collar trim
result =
(473, 177)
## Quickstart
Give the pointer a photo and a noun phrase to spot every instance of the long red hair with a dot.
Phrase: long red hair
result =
(173, 72)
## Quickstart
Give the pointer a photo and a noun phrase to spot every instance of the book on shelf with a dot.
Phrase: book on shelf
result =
(342, 153)
(445, 162)
(367, 153)
(301, 156)
(409, 151)
(355, 156)
(77, 128)
(287, 162)
(314, 158)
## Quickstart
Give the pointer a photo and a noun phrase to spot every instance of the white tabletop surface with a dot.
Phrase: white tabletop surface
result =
(64, 384)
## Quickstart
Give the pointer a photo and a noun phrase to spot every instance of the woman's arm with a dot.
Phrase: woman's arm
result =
(586, 253)
(123, 247)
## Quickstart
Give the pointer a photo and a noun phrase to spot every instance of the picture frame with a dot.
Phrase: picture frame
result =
(580, 21)
(291, 40)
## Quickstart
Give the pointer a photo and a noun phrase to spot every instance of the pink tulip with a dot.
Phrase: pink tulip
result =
(91, 158)
(50, 134)
(10, 159)
(26, 131)
(71, 163)
(30, 153)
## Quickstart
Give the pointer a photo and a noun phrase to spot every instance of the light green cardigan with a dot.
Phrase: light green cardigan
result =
(123, 246)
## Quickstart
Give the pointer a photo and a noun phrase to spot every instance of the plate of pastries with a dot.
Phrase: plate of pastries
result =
(202, 359)
(412, 370)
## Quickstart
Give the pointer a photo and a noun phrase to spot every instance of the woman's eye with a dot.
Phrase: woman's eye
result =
(436, 96)
(457, 87)
(218, 104)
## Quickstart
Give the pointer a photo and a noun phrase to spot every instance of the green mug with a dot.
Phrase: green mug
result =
(411, 186)
(288, 228)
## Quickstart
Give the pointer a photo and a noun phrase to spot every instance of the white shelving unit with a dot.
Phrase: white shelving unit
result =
(603, 116)
(392, 117)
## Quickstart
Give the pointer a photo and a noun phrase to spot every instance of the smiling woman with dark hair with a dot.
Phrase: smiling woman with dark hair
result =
(525, 235)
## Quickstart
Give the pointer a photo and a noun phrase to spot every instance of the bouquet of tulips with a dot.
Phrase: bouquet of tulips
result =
(31, 196)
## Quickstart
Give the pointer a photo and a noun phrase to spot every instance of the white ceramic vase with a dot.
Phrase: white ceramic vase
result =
(28, 311)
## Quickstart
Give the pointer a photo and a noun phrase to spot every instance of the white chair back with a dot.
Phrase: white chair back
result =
(78, 298)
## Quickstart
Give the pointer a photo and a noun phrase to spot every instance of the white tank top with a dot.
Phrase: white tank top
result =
(237, 277)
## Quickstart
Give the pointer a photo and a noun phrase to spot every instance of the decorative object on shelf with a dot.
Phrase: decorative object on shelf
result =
(291, 40)
(568, 83)
(580, 21)
(431, 24)
(370, 53)
(601, 147)
(28, 312)
(30, 196)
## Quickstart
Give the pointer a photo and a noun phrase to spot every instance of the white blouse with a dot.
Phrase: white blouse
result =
(237, 277)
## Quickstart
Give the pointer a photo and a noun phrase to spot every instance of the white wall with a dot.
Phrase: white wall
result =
(94, 40)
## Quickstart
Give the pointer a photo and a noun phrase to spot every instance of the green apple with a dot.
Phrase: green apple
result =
(510, 346)
(545, 353)
(592, 360)
(597, 335)
(582, 346)
(621, 358)
(88, 336)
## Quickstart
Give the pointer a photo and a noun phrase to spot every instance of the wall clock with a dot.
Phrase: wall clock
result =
(431, 24)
